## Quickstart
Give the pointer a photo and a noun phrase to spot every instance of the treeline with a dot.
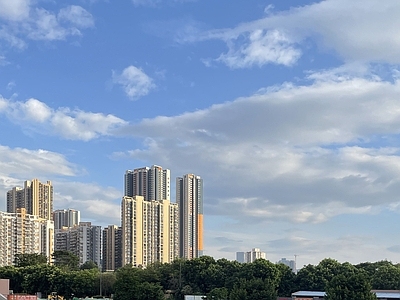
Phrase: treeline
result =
(216, 279)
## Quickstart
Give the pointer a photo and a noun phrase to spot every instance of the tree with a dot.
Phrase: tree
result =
(29, 259)
(286, 284)
(89, 265)
(40, 278)
(84, 282)
(107, 280)
(127, 283)
(66, 260)
(353, 286)
(130, 284)
(149, 291)
(218, 294)
(386, 277)
(15, 275)
(254, 289)
(316, 278)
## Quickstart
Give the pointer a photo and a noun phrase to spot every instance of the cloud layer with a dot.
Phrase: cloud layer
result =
(363, 30)
(134, 82)
(303, 153)
(64, 122)
(23, 20)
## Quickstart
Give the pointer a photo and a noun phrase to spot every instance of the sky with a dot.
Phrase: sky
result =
(289, 110)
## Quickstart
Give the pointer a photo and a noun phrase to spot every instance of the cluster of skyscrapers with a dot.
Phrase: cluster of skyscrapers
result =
(152, 227)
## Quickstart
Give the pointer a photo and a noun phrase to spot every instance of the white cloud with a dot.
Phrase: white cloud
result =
(99, 204)
(134, 82)
(11, 84)
(292, 152)
(47, 27)
(37, 23)
(23, 163)
(14, 10)
(363, 30)
(84, 125)
(34, 110)
(76, 15)
(262, 48)
(3, 104)
(7, 35)
(69, 124)
(156, 2)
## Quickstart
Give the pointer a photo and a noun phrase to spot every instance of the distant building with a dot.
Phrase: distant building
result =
(250, 256)
(319, 295)
(149, 231)
(66, 218)
(112, 248)
(290, 263)
(302, 295)
(83, 240)
(241, 257)
(23, 233)
(36, 197)
(189, 197)
(153, 183)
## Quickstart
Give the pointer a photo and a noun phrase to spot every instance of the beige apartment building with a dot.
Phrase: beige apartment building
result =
(112, 248)
(189, 196)
(83, 240)
(21, 233)
(36, 197)
(149, 231)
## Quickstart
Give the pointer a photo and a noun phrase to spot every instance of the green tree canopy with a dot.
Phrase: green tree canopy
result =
(353, 286)
(89, 265)
(29, 259)
(130, 284)
(66, 260)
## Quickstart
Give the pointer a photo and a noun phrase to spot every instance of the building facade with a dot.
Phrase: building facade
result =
(149, 231)
(112, 248)
(66, 218)
(36, 197)
(290, 263)
(153, 183)
(23, 233)
(83, 240)
(250, 256)
(189, 197)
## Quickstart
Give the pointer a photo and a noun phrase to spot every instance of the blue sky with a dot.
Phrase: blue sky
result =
(289, 111)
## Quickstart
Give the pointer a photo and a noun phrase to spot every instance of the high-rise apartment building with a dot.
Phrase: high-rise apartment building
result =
(83, 240)
(250, 256)
(149, 231)
(66, 218)
(112, 248)
(23, 233)
(288, 262)
(152, 183)
(189, 197)
(36, 197)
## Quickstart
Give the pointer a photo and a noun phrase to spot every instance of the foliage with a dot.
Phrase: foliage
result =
(66, 260)
(218, 294)
(107, 281)
(353, 286)
(129, 284)
(89, 265)
(286, 285)
(216, 279)
(40, 278)
(29, 259)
